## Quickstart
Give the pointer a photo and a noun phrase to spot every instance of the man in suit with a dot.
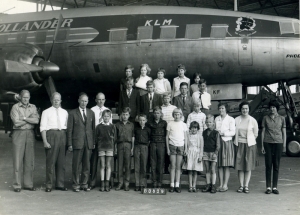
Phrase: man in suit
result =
(129, 98)
(149, 101)
(184, 101)
(81, 127)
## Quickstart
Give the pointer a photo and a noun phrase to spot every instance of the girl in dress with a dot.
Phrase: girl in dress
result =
(141, 81)
(194, 155)
(178, 80)
(195, 87)
(162, 85)
(128, 72)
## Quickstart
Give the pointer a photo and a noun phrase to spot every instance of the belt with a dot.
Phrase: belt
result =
(56, 129)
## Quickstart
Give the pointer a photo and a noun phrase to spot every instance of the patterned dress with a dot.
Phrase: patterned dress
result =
(195, 150)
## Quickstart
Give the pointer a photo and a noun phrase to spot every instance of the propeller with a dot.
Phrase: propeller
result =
(60, 19)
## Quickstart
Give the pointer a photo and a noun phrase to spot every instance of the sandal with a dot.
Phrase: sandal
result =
(240, 190)
(219, 189)
(190, 189)
(246, 190)
(223, 189)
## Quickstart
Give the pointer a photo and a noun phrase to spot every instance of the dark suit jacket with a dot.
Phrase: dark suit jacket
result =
(133, 102)
(187, 108)
(78, 130)
(144, 102)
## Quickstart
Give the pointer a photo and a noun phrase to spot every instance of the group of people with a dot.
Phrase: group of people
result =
(181, 135)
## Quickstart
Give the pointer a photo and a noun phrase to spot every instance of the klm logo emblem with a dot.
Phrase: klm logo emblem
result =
(158, 22)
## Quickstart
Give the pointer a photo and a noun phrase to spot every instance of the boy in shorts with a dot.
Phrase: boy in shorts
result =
(211, 147)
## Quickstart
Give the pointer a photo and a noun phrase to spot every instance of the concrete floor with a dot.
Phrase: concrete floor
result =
(121, 202)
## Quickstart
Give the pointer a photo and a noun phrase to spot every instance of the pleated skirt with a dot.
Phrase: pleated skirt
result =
(226, 154)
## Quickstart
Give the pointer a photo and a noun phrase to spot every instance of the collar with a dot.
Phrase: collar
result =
(275, 115)
(196, 112)
(166, 105)
(56, 108)
(129, 90)
(125, 123)
(181, 78)
(105, 123)
(82, 109)
(183, 96)
(21, 105)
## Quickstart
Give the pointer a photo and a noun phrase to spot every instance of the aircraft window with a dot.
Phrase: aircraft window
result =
(297, 27)
(40, 36)
(286, 27)
(218, 31)
(21, 37)
(193, 31)
(117, 34)
(168, 32)
(145, 32)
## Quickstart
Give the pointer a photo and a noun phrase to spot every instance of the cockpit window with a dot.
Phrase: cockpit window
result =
(193, 31)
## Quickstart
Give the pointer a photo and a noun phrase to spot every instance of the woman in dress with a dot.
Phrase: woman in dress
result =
(245, 140)
(162, 85)
(225, 125)
(178, 80)
(141, 81)
(273, 137)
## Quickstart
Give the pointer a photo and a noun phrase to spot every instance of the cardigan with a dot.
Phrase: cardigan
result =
(225, 126)
(252, 131)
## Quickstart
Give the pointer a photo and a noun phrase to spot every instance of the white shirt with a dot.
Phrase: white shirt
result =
(142, 80)
(176, 133)
(50, 119)
(98, 114)
(81, 111)
(167, 112)
(152, 94)
(198, 117)
(205, 98)
(225, 126)
(176, 84)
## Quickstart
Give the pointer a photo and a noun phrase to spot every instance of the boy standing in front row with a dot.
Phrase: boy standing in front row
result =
(124, 149)
(141, 144)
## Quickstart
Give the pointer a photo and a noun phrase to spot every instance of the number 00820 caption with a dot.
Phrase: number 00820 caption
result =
(154, 191)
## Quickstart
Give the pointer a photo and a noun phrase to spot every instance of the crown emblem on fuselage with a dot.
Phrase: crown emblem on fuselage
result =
(245, 26)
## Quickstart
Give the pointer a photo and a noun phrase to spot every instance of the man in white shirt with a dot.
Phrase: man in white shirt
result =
(98, 109)
(202, 97)
(53, 128)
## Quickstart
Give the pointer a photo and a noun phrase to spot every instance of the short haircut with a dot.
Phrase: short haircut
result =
(150, 82)
(82, 94)
(106, 111)
(126, 110)
(195, 124)
(209, 116)
(202, 81)
(157, 108)
(275, 104)
(23, 92)
(166, 95)
(244, 103)
(129, 79)
(54, 94)
(225, 105)
(99, 94)
(161, 70)
(183, 84)
(180, 66)
(197, 104)
(196, 74)
(142, 115)
(147, 68)
(177, 110)
(129, 67)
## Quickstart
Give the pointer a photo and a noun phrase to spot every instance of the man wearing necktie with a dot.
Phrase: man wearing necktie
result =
(81, 127)
(98, 109)
(53, 129)
(149, 101)
(129, 98)
(202, 97)
(183, 101)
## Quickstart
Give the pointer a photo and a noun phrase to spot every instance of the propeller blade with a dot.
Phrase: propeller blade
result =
(14, 66)
(50, 86)
(60, 19)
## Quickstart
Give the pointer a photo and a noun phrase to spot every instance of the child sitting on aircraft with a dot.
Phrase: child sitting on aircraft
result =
(162, 85)
(211, 148)
(176, 147)
(202, 97)
(194, 87)
(178, 80)
(140, 82)
(105, 138)
(128, 72)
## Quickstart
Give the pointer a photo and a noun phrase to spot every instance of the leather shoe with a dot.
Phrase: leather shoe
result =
(61, 188)
(177, 190)
(126, 187)
(76, 190)
(48, 190)
(275, 191)
(171, 190)
(207, 188)
(268, 191)
(87, 189)
(17, 190)
(119, 187)
(30, 189)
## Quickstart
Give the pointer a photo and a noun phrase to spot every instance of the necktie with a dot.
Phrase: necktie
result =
(200, 98)
(84, 116)
(183, 100)
(58, 120)
(128, 93)
(150, 101)
(100, 115)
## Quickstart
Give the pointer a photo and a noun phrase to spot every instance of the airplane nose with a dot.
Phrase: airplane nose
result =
(48, 66)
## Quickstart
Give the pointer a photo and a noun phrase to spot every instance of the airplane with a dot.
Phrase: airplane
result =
(86, 50)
